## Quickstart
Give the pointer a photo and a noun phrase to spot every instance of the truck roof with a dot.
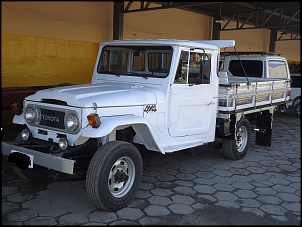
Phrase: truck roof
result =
(251, 57)
(251, 53)
(211, 44)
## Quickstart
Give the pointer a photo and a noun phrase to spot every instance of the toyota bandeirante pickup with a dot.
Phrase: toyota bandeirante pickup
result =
(255, 65)
(166, 95)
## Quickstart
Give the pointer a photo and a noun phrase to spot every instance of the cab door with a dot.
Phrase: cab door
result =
(193, 100)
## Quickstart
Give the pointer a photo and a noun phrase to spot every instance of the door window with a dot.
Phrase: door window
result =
(193, 68)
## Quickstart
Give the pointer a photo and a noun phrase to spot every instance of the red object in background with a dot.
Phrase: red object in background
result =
(12, 95)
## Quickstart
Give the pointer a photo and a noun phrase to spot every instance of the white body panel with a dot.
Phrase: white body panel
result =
(265, 59)
(185, 115)
(165, 116)
(103, 94)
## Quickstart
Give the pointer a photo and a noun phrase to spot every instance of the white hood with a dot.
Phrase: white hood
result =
(104, 95)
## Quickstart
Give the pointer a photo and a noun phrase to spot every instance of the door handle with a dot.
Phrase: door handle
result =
(211, 103)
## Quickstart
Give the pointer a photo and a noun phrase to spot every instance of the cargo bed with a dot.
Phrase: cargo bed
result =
(236, 94)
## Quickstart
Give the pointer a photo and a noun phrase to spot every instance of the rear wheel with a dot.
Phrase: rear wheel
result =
(237, 147)
(114, 175)
(297, 109)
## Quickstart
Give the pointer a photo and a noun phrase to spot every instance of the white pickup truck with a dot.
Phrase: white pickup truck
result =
(164, 94)
(255, 65)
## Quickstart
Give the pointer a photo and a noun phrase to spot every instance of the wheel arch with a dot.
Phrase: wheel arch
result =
(144, 134)
(296, 100)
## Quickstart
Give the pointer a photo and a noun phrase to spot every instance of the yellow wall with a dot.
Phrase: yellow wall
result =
(47, 43)
(167, 24)
(249, 40)
(290, 49)
(52, 42)
(71, 20)
(30, 60)
(259, 39)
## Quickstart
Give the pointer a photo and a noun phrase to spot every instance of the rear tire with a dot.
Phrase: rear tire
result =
(237, 147)
(114, 175)
(297, 109)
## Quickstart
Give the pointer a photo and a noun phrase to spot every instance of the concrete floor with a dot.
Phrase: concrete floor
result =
(263, 188)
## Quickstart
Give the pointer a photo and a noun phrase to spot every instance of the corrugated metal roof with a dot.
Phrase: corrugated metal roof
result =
(283, 16)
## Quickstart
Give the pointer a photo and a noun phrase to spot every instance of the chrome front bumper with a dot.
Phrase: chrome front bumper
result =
(46, 160)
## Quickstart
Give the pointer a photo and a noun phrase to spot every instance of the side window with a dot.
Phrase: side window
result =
(199, 68)
(277, 69)
(253, 68)
(181, 76)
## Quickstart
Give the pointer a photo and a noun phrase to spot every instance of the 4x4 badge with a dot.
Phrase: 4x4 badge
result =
(150, 108)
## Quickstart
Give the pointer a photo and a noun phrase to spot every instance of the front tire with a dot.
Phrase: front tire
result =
(237, 147)
(114, 174)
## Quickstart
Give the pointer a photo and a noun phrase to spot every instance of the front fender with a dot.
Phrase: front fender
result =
(140, 125)
(19, 119)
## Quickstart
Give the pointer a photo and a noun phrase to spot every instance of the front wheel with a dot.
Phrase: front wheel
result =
(114, 174)
(237, 147)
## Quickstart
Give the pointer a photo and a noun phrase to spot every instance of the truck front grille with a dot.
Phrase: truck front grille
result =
(52, 118)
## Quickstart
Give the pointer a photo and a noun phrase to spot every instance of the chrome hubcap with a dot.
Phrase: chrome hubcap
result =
(121, 177)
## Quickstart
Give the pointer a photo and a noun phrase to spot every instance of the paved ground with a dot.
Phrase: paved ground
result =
(264, 188)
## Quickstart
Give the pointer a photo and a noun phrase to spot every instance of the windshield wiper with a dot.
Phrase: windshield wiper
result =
(138, 74)
(118, 74)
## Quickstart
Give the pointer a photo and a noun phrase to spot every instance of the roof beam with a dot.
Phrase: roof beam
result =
(269, 17)
(163, 5)
(293, 16)
(247, 19)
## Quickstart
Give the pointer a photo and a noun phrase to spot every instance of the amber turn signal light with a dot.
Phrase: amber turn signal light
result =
(94, 120)
(16, 108)
(289, 92)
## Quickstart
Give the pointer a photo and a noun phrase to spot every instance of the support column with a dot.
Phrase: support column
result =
(118, 20)
(273, 39)
(216, 30)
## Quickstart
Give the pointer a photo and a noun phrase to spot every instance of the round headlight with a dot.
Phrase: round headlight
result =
(25, 134)
(72, 122)
(63, 143)
(29, 114)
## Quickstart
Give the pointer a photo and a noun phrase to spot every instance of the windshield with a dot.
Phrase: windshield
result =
(142, 61)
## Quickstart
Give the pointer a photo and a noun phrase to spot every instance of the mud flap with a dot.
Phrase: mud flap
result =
(264, 121)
